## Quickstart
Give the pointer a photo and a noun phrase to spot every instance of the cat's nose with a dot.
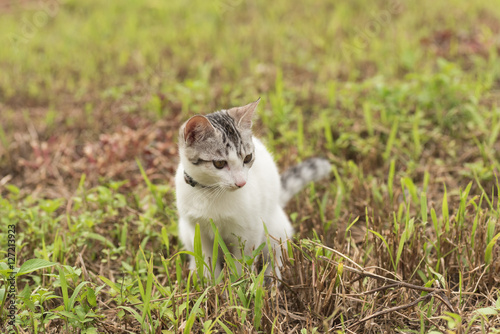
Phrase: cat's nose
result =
(241, 183)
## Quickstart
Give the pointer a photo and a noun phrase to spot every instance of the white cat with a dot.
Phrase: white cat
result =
(227, 175)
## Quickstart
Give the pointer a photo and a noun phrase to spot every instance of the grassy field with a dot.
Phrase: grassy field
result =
(403, 97)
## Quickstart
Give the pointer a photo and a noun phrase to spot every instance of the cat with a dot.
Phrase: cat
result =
(227, 175)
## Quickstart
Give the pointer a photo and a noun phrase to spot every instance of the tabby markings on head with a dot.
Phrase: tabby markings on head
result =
(230, 134)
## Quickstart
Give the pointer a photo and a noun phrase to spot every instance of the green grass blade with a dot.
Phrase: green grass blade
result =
(390, 181)
(71, 301)
(64, 288)
(386, 245)
(151, 187)
(193, 313)
(199, 259)
(259, 300)
(423, 208)
(227, 254)
(391, 140)
(489, 249)
(446, 213)
(215, 255)
(224, 327)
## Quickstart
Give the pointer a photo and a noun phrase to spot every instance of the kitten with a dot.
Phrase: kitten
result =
(227, 175)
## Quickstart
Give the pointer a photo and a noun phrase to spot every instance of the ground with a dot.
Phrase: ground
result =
(402, 97)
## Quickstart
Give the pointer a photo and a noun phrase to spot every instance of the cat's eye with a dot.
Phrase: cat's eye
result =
(248, 158)
(219, 164)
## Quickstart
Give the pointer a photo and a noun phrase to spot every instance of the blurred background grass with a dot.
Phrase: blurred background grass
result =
(222, 51)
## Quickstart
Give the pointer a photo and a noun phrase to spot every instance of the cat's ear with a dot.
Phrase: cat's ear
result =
(196, 129)
(243, 115)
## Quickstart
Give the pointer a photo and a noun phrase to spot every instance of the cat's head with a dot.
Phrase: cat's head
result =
(217, 149)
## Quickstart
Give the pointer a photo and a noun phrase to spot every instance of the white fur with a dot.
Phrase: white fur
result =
(236, 213)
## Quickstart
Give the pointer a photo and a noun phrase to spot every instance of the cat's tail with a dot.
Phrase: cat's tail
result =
(297, 177)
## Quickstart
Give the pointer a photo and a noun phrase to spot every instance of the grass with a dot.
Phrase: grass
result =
(403, 98)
